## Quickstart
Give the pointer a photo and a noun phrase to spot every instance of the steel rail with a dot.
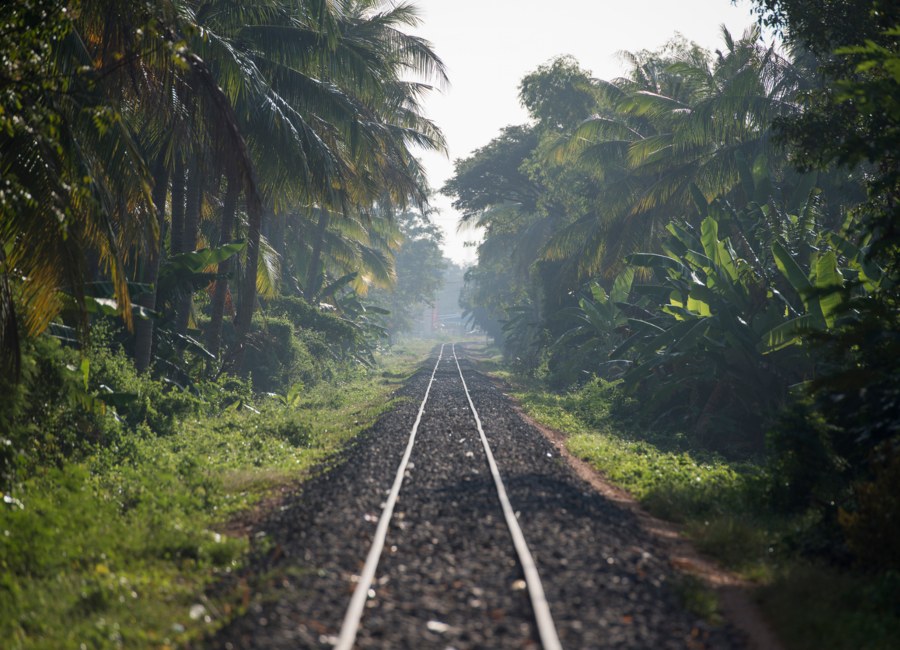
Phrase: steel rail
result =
(541, 609)
(543, 618)
(350, 625)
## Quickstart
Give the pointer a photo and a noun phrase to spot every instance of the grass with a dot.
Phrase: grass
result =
(698, 598)
(116, 551)
(670, 479)
(722, 507)
(717, 501)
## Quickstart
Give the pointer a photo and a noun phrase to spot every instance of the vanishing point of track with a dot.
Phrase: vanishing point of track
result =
(542, 617)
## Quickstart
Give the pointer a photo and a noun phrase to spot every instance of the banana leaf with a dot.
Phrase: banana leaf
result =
(829, 282)
(787, 333)
(654, 261)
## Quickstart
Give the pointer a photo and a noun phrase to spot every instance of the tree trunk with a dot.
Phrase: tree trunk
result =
(247, 298)
(314, 276)
(277, 240)
(190, 228)
(143, 328)
(220, 290)
(177, 231)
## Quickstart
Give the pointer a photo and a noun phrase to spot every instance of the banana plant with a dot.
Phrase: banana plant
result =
(820, 290)
(700, 356)
(190, 272)
(597, 326)
(179, 355)
(365, 319)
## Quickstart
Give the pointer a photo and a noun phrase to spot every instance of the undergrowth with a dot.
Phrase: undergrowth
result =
(112, 544)
(813, 606)
(730, 511)
(669, 477)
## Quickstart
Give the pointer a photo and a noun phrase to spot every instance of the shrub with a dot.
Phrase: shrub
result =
(50, 415)
(872, 527)
(281, 357)
(805, 468)
(138, 399)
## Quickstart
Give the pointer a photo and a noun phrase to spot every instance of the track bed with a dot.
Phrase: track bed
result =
(448, 576)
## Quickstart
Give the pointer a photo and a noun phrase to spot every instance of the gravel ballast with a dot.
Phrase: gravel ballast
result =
(449, 577)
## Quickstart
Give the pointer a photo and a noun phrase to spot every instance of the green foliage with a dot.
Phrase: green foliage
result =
(872, 527)
(302, 314)
(112, 545)
(807, 470)
(52, 413)
(280, 358)
(700, 358)
(698, 598)
(597, 401)
(185, 273)
(720, 502)
(420, 268)
(118, 553)
(672, 485)
(762, 320)
(666, 473)
(349, 330)
(138, 399)
(851, 611)
(128, 111)
(55, 117)
(851, 120)
(826, 25)
(524, 337)
(596, 328)
(492, 176)
(294, 343)
(669, 142)
(558, 94)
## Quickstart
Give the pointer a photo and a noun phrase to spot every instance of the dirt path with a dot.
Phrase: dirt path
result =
(448, 577)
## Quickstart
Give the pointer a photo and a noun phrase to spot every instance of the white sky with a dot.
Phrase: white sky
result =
(489, 45)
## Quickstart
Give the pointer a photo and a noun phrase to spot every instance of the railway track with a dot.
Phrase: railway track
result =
(405, 543)
(543, 619)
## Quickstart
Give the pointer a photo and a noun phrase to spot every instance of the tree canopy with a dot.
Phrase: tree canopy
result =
(154, 132)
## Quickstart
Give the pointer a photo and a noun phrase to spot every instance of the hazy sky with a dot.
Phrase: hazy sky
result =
(489, 45)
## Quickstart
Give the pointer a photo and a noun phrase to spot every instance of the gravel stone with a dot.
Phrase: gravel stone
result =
(448, 576)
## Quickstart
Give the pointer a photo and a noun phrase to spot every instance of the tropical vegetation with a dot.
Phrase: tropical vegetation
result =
(713, 237)
(205, 208)
(213, 224)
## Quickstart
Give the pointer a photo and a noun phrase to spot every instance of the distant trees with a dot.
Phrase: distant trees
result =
(419, 266)
(672, 178)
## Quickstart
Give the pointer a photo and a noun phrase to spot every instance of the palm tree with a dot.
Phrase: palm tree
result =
(325, 247)
(81, 201)
(330, 103)
(674, 126)
(303, 105)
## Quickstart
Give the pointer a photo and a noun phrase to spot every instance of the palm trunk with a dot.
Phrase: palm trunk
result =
(247, 298)
(10, 352)
(189, 237)
(143, 328)
(277, 240)
(314, 277)
(220, 291)
(176, 233)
